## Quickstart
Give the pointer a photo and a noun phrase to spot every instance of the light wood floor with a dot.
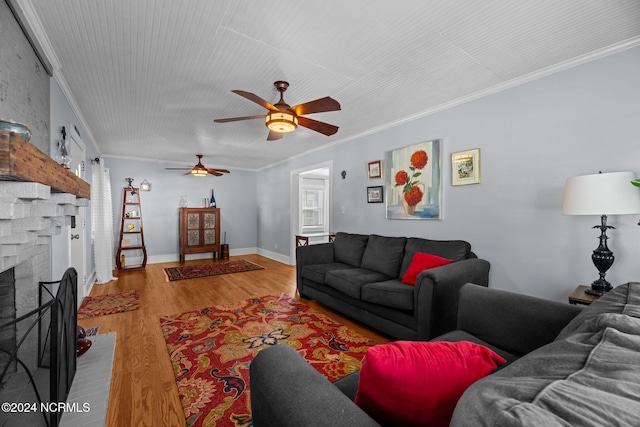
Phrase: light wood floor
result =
(143, 389)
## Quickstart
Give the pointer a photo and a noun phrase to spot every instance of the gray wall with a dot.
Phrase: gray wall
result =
(235, 195)
(532, 138)
(63, 115)
(28, 95)
(24, 83)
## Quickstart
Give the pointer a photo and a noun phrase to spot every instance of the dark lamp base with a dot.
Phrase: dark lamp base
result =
(595, 292)
(599, 288)
(603, 259)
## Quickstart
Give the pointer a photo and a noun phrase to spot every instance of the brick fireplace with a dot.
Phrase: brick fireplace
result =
(38, 198)
(29, 216)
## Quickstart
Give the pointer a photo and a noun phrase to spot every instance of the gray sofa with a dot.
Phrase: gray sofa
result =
(565, 367)
(360, 276)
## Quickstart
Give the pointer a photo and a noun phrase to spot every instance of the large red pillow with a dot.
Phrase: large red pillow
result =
(422, 261)
(417, 383)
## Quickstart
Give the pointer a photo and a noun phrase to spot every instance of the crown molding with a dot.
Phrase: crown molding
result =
(574, 62)
(34, 31)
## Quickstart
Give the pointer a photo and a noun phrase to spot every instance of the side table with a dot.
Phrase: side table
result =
(579, 296)
(303, 239)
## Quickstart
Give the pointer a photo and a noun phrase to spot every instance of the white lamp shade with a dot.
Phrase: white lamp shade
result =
(601, 194)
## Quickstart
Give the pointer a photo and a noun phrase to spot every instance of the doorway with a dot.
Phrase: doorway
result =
(311, 203)
(77, 254)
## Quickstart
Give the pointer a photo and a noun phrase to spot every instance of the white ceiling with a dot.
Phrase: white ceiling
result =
(148, 77)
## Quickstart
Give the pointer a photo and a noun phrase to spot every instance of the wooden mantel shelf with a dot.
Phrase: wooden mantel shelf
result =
(22, 161)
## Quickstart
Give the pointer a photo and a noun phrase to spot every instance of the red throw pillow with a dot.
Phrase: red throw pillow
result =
(422, 261)
(417, 383)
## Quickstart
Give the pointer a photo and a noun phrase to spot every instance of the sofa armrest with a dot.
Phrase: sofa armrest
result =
(312, 254)
(437, 289)
(515, 322)
(287, 391)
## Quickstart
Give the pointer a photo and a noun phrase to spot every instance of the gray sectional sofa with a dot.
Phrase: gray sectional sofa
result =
(360, 276)
(588, 376)
(565, 366)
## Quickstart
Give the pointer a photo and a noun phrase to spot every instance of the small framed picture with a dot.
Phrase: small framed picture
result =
(375, 194)
(465, 167)
(374, 169)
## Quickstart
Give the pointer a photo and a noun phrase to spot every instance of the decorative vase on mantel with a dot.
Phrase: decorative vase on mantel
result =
(63, 154)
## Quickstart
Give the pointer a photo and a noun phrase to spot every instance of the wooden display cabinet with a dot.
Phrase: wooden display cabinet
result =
(199, 231)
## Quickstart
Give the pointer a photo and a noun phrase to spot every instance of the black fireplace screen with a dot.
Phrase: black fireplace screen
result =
(33, 388)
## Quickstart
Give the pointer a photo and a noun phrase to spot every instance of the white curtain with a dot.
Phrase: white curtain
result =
(102, 222)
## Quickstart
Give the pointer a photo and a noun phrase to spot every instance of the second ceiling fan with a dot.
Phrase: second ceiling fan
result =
(200, 170)
(281, 118)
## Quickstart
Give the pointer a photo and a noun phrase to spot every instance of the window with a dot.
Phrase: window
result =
(314, 204)
(312, 207)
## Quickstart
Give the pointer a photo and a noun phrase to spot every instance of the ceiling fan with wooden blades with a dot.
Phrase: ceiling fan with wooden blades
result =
(282, 118)
(200, 170)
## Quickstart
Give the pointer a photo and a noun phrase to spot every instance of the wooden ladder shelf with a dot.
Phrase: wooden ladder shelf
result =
(131, 243)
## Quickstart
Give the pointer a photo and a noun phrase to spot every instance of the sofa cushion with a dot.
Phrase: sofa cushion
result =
(417, 383)
(587, 379)
(349, 281)
(348, 384)
(455, 250)
(610, 310)
(459, 335)
(349, 248)
(317, 272)
(384, 254)
(390, 293)
(581, 378)
(421, 262)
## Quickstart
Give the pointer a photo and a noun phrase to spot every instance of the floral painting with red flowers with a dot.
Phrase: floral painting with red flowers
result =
(414, 182)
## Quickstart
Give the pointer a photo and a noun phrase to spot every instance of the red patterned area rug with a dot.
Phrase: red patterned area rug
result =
(211, 349)
(108, 304)
(204, 270)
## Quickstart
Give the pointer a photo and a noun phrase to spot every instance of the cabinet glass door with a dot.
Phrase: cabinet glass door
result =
(209, 228)
(193, 229)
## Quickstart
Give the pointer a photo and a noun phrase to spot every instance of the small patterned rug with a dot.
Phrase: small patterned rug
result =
(211, 350)
(108, 304)
(204, 270)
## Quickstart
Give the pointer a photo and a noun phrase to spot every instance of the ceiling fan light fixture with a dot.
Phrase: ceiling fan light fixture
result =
(199, 172)
(281, 121)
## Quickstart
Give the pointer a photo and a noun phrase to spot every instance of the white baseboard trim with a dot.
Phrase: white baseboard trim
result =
(243, 251)
(275, 256)
(157, 259)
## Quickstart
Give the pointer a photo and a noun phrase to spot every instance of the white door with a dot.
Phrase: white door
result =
(78, 245)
